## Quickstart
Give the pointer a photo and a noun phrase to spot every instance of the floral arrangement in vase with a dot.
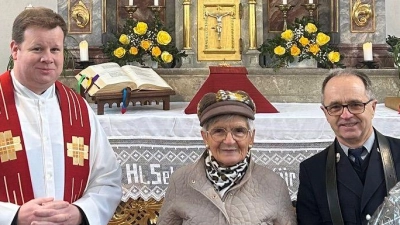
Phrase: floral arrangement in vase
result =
(140, 41)
(302, 40)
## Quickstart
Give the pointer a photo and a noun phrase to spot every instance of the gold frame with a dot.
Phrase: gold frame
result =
(365, 7)
(73, 27)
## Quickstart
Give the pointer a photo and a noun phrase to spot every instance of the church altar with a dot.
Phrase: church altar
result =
(151, 143)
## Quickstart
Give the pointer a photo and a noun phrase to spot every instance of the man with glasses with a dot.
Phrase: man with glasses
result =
(346, 182)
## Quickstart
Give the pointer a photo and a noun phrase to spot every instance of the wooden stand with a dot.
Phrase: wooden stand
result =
(143, 97)
(393, 103)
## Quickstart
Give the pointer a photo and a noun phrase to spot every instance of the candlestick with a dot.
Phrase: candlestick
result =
(84, 51)
(284, 8)
(131, 9)
(367, 50)
(310, 7)
(156, 2)
(156, 10)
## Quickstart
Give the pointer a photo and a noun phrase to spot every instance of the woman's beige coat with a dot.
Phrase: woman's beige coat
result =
(261, 197)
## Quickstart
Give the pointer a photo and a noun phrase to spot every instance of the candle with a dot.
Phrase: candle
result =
(155, 2)
(284, 2)
(84, 51)
(310, 1)
(367, 50)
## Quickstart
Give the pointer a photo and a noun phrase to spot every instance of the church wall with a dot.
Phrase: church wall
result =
(284, 85)
(10, 10)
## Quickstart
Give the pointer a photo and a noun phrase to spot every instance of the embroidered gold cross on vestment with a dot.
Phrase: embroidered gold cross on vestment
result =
(77, 150)
(9, 146)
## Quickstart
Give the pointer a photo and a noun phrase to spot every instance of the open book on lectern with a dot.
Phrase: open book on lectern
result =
(112, 78)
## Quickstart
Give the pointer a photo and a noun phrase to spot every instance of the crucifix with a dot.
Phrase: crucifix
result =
(218, 27)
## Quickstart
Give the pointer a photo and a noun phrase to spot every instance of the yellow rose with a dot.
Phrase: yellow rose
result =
(141, 28)
(314, 49)
(304, 41)
(124, 39)
(166, 57)
(334, 57)
(145, 44)
(294, 50)
(279, 50)
(322, 39)
(311, 28)
(155, 51)
(133, 51)
(163, 38)
(119, 52)
(287, 35)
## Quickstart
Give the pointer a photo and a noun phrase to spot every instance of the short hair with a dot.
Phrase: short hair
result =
(349, 72)
(226, 117)
(36, 17)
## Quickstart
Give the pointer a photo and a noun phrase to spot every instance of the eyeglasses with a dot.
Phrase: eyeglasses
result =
(238, 133)
(354, 108)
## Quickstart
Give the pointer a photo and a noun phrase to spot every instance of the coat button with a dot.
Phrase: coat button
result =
(193, 181)
(368, 217)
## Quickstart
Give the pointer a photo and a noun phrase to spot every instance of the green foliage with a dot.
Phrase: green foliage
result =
(127, 46)
(392, 41)
(304, 40)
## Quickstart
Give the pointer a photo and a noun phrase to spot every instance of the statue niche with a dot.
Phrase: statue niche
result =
(218, 30)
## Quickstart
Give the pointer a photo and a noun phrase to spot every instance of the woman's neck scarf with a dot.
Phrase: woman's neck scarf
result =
(223, 178)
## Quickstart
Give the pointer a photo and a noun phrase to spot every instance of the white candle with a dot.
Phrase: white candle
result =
(310, 1)
(130, 2)
(284, 2)
(84, 51)
(367, 50)
(155, 2)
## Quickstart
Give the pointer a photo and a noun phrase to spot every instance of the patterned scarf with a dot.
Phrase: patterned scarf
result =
(223, 178)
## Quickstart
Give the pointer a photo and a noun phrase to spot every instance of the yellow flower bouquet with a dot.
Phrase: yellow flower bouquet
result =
(302, 40)
(139, 41)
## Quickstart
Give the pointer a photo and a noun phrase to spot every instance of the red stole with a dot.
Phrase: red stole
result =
(15, 180)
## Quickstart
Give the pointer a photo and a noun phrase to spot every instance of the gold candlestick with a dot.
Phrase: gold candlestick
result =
(131, 9)
(284, 8)
(156, 9)
(310, 7)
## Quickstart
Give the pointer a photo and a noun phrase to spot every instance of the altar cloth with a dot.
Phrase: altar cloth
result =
(151, 143)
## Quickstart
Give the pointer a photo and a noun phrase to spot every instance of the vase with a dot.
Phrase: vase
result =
(148, 62)
(306, 63)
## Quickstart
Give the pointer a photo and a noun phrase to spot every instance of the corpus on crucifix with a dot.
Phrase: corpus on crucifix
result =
(218, 17)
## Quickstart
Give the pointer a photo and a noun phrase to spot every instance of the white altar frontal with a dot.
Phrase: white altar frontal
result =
(151, 143)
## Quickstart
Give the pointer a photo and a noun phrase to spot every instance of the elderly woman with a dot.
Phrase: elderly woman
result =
(225, 186)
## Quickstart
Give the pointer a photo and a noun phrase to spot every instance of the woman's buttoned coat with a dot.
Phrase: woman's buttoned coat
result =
(261, 197)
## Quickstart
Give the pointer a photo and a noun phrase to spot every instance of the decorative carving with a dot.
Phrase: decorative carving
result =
(362, 16)
(361, 13)
(218, 30)
(79, 16)
(218, 17)
(136, 212)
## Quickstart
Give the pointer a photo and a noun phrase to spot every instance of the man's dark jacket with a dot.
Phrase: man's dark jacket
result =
(357, 202)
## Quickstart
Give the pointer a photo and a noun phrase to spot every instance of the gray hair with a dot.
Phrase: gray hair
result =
(208, 123)
(349, 72)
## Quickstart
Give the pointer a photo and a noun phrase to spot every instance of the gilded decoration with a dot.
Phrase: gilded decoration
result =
(137, 212)
(9, 146)
(77, 150)
(218, 30)
(79, 16)
(362, 16)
